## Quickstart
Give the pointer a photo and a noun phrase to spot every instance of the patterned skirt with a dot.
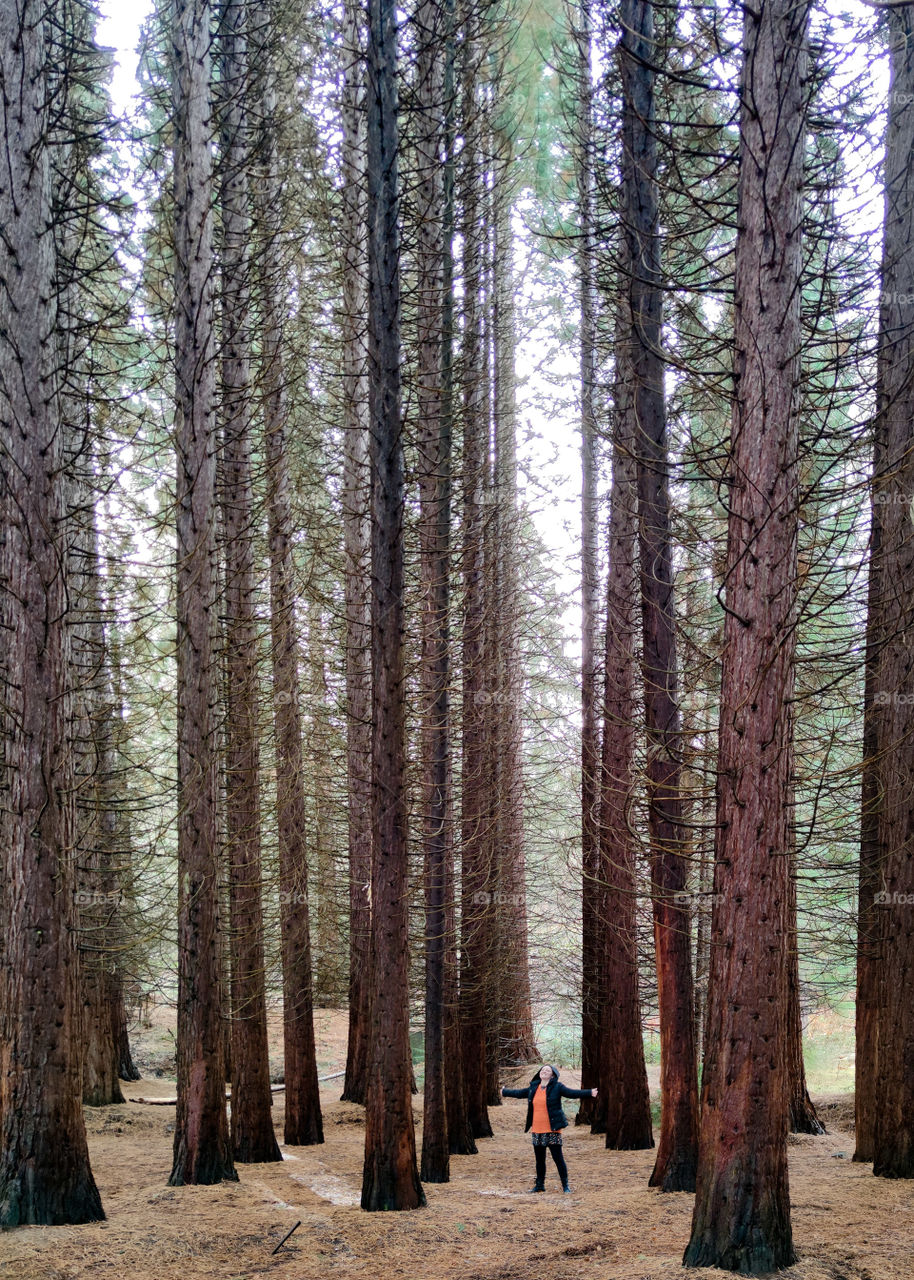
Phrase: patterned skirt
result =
(553, 1139)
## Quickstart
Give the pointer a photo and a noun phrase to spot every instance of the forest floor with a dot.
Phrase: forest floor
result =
(482, 1225)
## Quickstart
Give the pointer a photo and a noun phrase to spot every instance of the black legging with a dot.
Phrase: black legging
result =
(540, 1154)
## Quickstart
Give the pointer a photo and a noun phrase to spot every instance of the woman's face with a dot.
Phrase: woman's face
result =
(546, 1075)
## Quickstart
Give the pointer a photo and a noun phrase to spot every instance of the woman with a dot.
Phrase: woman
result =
(547, 1119)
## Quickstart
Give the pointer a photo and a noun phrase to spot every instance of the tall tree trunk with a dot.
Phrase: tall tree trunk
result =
(44, 1161)
(623, 1105)
(741, 1220)
(459, 1127)
(893, 1129)
(202, 1149)
(356, 530)
(477, 926)
(674, 1169)
(390, 1177)
(253, 1138)
(99, 888)
(303, 1124)
(591, 940)
(516, 1042)
(435, 497)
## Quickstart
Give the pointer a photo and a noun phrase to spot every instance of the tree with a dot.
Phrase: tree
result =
(253, 1139)
(303, 1124)
(893, 561)
(583, 148)
(622, 1107)
(514, 1027)
(390, 1177)
(357, 546)
(45, 1175)
(741, 1220)
(477, 922)
(435, 498)
(674, 1169)
(202, 1150)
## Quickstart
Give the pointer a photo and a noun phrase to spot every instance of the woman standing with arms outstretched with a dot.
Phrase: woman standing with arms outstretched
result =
(546, 1118)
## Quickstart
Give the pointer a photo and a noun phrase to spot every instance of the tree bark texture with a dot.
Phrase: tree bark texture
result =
(434, 430)
(741, 1220)
(303, 1123)
(622, 1107)
(45, 1175)
(357, 535)
(390, 1177)
(202, 1148)
(674, 1169)
(253, 1138)
(893, 489)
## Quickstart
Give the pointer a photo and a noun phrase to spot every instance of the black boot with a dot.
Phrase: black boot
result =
(538, 1186)
(565, 1187)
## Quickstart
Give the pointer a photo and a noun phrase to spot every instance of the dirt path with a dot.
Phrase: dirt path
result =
(483, 1225)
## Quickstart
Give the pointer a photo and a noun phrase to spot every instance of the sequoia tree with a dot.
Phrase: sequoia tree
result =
(303, 1122)
(202, 1150)
(435, 497)
(640, 270)
(390, 1177)
(893, 487)
(741, 1220)
(253, 1139)
(44, 1160)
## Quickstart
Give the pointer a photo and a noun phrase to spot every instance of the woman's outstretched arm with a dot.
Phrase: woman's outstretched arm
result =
(515, 1093)
(565, 1092)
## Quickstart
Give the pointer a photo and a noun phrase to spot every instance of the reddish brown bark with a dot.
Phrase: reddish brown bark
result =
(741, 1220)
(893, 490)
(253, 1139)
(674, 1169)
(477, 926)
(202, 1150)
(303, 1123)
(355, 502)
(622, 1108)
(434, 427)
(390, 1178)
(45, 1175)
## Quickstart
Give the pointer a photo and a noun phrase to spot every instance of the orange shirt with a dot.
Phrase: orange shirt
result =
(541, 1122)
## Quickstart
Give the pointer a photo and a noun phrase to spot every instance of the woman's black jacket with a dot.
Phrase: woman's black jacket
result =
(555, 1092)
